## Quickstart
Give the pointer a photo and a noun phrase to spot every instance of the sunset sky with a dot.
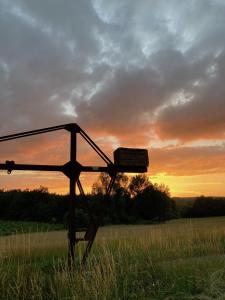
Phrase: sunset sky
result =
(131, 73)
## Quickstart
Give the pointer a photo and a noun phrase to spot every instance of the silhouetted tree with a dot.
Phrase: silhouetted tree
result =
(138, 183)
(120, 186)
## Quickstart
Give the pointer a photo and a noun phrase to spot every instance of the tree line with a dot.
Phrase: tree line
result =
(202, 207)
(133, 199)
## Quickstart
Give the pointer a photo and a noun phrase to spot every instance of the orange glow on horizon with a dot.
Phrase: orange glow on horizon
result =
(179, 186)
(187, 171)
(194, 185)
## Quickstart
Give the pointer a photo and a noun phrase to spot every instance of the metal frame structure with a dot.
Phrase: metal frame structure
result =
(72, 170)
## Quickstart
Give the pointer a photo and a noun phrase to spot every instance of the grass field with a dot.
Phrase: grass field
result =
(181, 259)
(10, 227)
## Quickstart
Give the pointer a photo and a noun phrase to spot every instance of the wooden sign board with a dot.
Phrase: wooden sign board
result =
(131, 157)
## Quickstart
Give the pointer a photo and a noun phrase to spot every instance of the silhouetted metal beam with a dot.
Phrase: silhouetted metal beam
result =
(63, 168)
(95, 147)
(113, 168)
(95, 223)
(27, 167)
(73, 177)
(30, 133)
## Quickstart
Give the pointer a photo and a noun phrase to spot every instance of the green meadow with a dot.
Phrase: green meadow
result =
(180, 259)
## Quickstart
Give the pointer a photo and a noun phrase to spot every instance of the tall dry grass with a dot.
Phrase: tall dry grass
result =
(178, 260)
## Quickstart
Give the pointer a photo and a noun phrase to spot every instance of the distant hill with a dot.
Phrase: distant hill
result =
(189, 200)
(184, 200)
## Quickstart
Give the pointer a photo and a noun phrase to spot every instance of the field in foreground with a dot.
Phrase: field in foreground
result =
(182, 259)
(11, 227)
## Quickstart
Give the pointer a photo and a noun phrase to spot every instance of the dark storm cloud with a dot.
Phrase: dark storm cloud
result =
(127, 102)
(42, 64)
(174, 82)
(201, 118)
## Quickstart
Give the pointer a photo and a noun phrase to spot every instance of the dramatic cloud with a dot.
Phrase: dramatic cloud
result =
(201, 117)
(186, 161)
(131, 73)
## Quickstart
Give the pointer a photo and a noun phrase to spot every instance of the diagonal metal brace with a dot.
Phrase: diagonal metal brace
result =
(95, 223)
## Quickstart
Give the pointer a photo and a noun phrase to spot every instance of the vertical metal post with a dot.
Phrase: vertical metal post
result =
(72, 199)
